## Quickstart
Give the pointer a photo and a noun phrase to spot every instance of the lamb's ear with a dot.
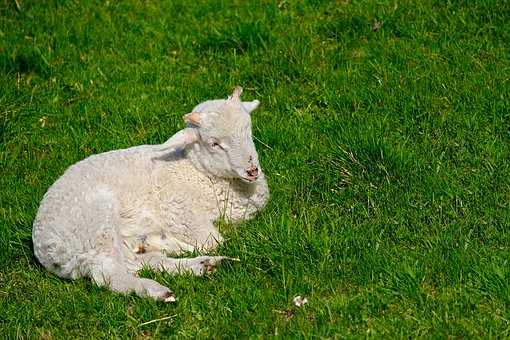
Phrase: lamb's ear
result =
(180, 140)
(236, 94)
(251, 106)
(194, 118)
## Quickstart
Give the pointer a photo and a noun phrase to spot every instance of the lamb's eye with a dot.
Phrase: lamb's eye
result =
(215, 144)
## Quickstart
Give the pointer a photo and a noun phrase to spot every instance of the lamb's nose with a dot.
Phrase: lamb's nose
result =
(253, 172)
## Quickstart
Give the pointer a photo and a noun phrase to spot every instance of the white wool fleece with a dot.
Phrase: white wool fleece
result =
(112, 213)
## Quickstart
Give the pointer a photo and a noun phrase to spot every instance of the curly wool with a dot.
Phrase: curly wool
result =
(106, 214)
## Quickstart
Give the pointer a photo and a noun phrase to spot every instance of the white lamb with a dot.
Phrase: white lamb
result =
(113, 213)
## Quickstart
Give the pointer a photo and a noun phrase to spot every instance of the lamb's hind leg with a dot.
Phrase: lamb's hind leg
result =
(108, 271)
(104, 262)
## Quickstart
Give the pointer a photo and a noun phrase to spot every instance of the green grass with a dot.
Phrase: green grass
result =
(387, 154)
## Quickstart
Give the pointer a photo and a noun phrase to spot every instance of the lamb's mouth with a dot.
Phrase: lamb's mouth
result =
(249, 179)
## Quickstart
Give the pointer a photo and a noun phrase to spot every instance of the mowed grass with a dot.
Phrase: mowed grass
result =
(384, 132)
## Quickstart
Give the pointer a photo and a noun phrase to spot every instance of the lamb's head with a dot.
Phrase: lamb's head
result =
(224, 145)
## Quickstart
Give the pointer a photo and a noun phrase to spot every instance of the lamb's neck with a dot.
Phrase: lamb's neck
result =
(245, 199)
(194, 158)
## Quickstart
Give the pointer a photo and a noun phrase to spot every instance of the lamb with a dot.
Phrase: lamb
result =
(113, 213)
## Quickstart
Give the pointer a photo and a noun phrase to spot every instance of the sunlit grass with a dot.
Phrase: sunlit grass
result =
(384, 131)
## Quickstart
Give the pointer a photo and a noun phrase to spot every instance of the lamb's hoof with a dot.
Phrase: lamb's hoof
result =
(169, 297)
(206, 264)
(157, 291)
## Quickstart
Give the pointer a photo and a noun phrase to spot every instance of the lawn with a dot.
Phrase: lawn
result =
(384, 132)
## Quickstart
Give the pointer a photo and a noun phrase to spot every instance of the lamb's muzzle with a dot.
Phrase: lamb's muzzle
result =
(253, 173)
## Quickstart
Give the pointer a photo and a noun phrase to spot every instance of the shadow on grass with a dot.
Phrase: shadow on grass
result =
(25, 60)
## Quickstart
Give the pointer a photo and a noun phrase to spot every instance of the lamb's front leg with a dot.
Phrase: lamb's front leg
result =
(199, 265)
(157, 242)
(195, 234)
(148, 235)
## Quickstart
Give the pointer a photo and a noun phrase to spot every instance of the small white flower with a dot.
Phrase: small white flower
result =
(300, 301)
(43, 120)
